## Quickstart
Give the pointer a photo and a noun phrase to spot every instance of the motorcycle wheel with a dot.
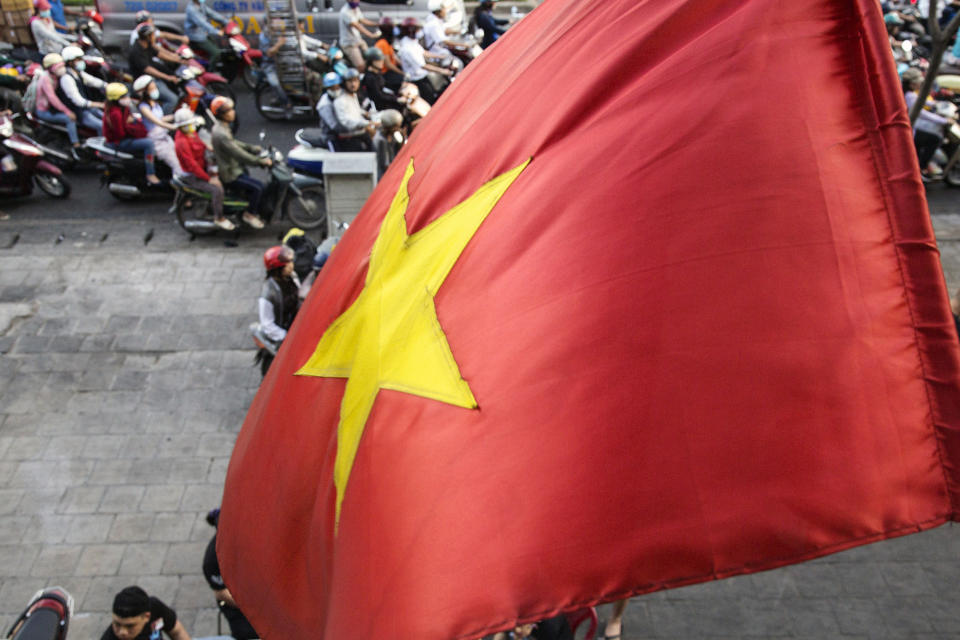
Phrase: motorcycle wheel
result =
(952, 177)
(268, 104)
(250, 77)
(184, 215)
(309, 210)
(222, 89)
(53, 185)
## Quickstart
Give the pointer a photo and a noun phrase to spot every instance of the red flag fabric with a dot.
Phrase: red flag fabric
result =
(687, 317)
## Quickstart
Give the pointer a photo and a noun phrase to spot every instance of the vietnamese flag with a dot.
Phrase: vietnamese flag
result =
(651, 298)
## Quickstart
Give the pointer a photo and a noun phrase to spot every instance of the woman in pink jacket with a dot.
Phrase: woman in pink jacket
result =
(49, 107)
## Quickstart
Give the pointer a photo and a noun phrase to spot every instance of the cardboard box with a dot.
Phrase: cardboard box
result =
(16, 18)
(25, 36)
(3, 18)
(16, 5)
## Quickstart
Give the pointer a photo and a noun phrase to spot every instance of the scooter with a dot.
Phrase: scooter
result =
(125, 175)
(47, 616)
(56, 143)
(214, 82)
(236, 55)
(281, 198)
(306, 158)
(22, 166)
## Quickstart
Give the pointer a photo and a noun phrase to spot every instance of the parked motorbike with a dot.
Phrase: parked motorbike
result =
(46, 617)
(22, 166)
(281, 198)
(125, 174)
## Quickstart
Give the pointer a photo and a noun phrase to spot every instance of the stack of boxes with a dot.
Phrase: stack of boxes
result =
(15, 22)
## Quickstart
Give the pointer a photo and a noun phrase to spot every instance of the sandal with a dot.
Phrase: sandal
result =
(603, 625)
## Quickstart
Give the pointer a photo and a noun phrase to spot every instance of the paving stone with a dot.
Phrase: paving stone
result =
(31, 344)
(103, 447)
(25, 448)
(171, 527)
(81, 500)
(130, 380)
(163, 497)
(89, 528)
(121, 499)
(100, 559)
(185, 558)
(9, 499)
(201, 497)
(37, 501)
(142, 559)
(131, 527)
(54, 561)
(16, 560)
(64, 447)
(15, 592)
(100, 594)
(47, 528)
(110, 471)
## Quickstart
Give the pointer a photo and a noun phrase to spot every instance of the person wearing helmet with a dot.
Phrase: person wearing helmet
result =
(328, 117)
(436, 34)
(44, 29)
(353, 29)
(279, 298)
(388, 139)
(357, 125)
(393, 74)
(202, 34)
(234, 156)
(158, 125)
(415, 60)
(144, 17)
(72, 89)
(141, 58)
(124, 131)
(374, 81)
(50, 108)
(191, 153)
(492, 27)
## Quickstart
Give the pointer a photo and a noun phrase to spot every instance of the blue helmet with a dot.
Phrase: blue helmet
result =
(350, 74)
(331, 79)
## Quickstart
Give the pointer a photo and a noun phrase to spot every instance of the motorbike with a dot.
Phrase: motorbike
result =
(281, 198)
(22, 166)
(214, 82)
(125, 174)
(237, 56)
(46, 617)
(56, 143)
(271, 107)
(90, 30)
(306, 159)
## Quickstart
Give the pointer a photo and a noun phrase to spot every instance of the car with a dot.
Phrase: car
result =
(317, 17)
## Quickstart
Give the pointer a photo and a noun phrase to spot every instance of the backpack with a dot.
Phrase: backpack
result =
(30, 95)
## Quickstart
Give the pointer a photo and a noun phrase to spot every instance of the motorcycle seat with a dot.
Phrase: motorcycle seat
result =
(312, 138)
(42, 624)
(99, 144)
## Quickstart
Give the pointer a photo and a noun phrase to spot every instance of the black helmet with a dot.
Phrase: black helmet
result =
(144, 31)
(372, 54)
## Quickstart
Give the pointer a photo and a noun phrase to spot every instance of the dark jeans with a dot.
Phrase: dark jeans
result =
(216, 193)
(251, 189)
(356, 143)
(926, 144)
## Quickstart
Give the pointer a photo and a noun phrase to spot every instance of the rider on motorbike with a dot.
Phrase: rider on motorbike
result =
(374, 81)
(271, 41)
(279, 298)
(328, 118)
(414, 59)
(141, 62)
(73, 92)
(158, 125)
(191, 152)
(196, 24)
(50, 108)
(124, 132)
(234, 156)
(357, 125)
(144, 17)
(44, 30)
(436, 32)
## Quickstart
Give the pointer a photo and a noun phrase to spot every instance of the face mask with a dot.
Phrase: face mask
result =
(334, 91)
(81, 65)
(155, 94)
(45, 13)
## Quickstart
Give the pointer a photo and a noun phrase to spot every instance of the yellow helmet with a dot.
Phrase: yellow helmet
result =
(115, 91)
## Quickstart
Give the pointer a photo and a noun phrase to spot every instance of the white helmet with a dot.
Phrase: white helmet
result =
(434, 5)
(184, 117)
(142, 83)
(51, 59)
(71, 52)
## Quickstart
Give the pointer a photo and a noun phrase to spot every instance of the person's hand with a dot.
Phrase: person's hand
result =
(215, 181)
(72, 116)
(371, 128)
(267, 162)
(282, 40)
(99, 105)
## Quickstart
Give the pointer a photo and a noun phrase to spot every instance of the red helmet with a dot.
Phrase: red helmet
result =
(220, 105)
(276, 257)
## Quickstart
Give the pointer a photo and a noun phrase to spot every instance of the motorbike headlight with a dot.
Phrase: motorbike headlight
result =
(6, 129)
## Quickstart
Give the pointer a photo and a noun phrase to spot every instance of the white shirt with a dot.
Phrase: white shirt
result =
(434, 35)
(348, 112)
(410, 54)
(350, 35)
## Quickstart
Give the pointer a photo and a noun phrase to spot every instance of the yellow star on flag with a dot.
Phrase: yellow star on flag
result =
(390, 337)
